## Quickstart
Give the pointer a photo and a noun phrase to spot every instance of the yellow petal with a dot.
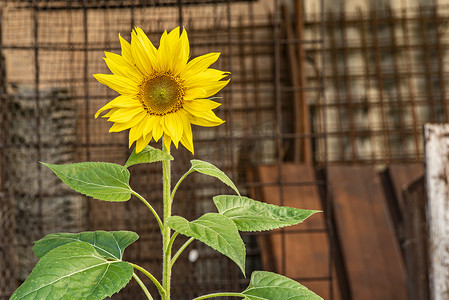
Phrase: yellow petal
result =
(198, 80)
(213, 88)
(188, 143)
(149, 124)
(204, 122)
(117, 127)
(172, 51)
(187, 138)
(133, 136)
(126, 49)
(216, 73)
(195, 93)
(148, 45)
(141, 51)
(135, 132)
(204, 118)
(167, 141)
(120, 84)
(173, 124)
(123, 115)
(184, 48)
(109, 113)
(142, 143)
(201, 104)
(157, 130)
(178, 125)
(120, 67)
(133, 122)
(119, 102)
(200, 64)
(163, 54)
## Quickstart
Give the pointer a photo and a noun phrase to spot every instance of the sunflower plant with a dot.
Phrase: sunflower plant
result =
(161, 94)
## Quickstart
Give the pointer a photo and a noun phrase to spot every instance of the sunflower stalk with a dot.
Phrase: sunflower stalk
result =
(166, 233)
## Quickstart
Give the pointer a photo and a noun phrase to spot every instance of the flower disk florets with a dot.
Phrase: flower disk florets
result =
(162, 93)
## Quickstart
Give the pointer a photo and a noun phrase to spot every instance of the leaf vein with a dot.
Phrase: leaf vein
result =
(68, 275)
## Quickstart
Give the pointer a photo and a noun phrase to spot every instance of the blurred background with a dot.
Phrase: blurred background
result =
(324, 111)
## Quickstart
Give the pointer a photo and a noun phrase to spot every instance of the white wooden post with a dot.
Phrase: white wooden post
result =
(437, 177)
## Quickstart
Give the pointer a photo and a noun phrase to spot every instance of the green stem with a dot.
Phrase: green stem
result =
(150, 207)
(149, 275)
(144, 288)
(179, 182)
(166, 232)
(175, 257)
(220, 295)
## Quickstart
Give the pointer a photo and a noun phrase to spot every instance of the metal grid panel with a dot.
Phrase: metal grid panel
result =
(52, 48)
(385, 77)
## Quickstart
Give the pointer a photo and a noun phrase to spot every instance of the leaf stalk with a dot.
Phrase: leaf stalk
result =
(152, 278)
(142, 286)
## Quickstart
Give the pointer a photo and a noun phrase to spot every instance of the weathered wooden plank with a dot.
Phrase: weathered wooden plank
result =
(297, 254)
(371, 253)
(415, 242)
(401, 176)
(407, 182)
(437, 163)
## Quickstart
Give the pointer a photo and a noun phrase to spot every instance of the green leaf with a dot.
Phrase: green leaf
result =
(271, 286)
(211, 170)
(107, 244)
(147, 155)
(216, 231)
(100, 180)
(252, 215)
(74, 271)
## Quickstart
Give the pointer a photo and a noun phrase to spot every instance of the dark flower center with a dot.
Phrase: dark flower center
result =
(162, 93)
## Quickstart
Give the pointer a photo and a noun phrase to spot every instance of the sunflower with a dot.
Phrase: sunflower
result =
(161, 92)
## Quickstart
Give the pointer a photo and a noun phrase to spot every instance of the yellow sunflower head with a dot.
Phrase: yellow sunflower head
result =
(161, 91)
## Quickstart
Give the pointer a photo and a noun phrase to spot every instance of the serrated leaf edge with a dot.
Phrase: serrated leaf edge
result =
(97, 255)
(53, 237)
(71, 274)
(286, 280)
(256, 204)
(125, 191)
(216, 169)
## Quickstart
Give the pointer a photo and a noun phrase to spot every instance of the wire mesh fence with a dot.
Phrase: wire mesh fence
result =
(384, 75)
(49, 97)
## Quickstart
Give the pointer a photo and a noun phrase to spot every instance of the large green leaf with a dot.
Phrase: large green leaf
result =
(216, 231)
(147, 155)
(271, 286)
(100, 180)
(252, 215)
(211, 170)
(107, 244)
(74, 271)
